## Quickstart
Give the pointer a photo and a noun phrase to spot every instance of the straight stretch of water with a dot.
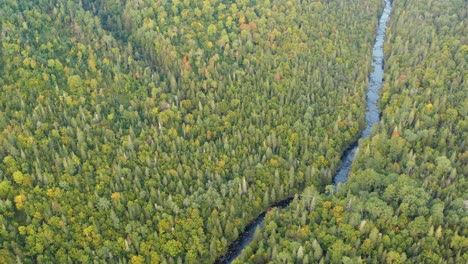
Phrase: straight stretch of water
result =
(375, 83)
(372, 117)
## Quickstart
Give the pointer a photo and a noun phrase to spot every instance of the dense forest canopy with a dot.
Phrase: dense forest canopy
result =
(406, 199)
(154, 131)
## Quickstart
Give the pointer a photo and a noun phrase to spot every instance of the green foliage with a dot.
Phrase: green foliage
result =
(406, 198)
(146, 131)
(154, 131)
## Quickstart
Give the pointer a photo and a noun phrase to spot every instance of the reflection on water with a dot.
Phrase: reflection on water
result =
(372, 117)
(375, 83)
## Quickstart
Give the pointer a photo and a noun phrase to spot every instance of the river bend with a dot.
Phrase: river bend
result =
(372, 117)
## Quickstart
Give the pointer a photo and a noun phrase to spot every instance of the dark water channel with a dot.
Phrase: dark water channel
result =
(372, 117)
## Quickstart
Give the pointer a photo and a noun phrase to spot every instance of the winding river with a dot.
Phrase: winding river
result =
(372, 117)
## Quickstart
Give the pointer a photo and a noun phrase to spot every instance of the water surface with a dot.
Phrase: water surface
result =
(372, 117)
(373, 92)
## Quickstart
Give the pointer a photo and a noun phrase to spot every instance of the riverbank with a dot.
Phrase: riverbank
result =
(372, 117)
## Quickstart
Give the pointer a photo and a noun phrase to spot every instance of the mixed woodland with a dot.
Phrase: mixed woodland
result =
(154, 131)
(406, 199)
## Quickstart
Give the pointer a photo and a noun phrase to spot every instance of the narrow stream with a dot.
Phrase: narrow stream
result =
(372, 117)
(373, 92)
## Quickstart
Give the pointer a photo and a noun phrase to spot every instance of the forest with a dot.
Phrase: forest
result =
(406, 200)
(155, 131)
